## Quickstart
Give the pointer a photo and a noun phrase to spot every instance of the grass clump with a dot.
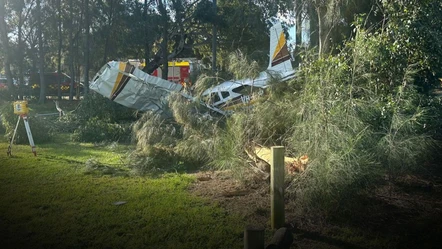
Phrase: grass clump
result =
(95, 167)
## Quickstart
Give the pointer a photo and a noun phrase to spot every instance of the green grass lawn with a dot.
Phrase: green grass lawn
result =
(50, 201)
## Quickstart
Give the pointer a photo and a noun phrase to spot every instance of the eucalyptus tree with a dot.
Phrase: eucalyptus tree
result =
(54, 15)
(60, 45)
(331, 20)
(86, 48)
(4, 31)
(110, 30)
(175, 21)
(73, 22)
(20, 20)
(41, 53)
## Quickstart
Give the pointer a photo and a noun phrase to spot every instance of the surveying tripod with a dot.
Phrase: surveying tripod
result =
(20, 108)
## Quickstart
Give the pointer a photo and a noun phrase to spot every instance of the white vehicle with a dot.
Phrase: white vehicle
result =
(235, 93)
(127, 85)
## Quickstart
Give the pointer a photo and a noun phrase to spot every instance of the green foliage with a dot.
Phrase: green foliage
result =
(98, 119)
(97, 106)
(236, 65)
(411, 36)
(326, 126)
(197, 130)
(98, 130)
(40, 127)
(164, 145)
(229, 144)
(154, 130)
(354, 125)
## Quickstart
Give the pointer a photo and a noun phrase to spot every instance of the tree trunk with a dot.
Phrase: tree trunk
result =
(146, 36)
(20, 59)
(314, 30)
(5, 43)
(163, 11)
(214, 31)
(86, 49)
(298, 44)
(60, 44)
(42, 98)
(320, 31)
(109, 31)
(71, 51)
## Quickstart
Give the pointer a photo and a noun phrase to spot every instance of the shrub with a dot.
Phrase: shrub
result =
(98, 119)
(98, 130)
(163, 144)
(353, 131)
(154, 130)
(96, 106)
(229, 146)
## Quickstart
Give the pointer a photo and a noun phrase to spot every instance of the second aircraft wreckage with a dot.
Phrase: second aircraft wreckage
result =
(129, 86)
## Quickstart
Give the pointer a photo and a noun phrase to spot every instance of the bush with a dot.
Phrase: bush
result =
(154, 130)
(99, 130)
(353, 130)
(98, 119)
(97, 106)
(229, 146)
(164, 145)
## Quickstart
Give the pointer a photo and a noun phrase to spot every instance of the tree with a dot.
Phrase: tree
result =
(41, 53)
(60, 47)
(331, 21)
(214, 31)
(22, 12)
(86, 47)
(6, 47)
(165, 36)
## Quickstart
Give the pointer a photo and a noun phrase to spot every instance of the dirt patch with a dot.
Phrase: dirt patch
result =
(403, 214)
(250, 201)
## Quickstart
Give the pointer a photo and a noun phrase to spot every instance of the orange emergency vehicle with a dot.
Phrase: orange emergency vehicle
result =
(179, 72)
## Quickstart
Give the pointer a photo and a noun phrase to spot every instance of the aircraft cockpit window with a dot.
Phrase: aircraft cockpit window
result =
(225, 94)
(214, 97)
(244, 90)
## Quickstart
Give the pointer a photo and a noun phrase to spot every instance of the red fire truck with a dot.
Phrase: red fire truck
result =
(179, 72)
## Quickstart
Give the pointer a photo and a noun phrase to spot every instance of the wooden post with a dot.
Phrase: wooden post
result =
(254, 238)
(277, 187)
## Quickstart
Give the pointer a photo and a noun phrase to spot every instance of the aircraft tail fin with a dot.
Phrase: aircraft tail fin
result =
(279, 53)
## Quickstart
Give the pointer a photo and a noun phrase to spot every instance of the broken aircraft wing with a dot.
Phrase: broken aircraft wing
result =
(129, 86)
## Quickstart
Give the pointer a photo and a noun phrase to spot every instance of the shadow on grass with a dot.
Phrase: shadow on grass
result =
(318, 237)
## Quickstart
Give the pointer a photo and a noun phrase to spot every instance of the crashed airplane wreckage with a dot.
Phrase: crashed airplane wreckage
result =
(129, 86)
